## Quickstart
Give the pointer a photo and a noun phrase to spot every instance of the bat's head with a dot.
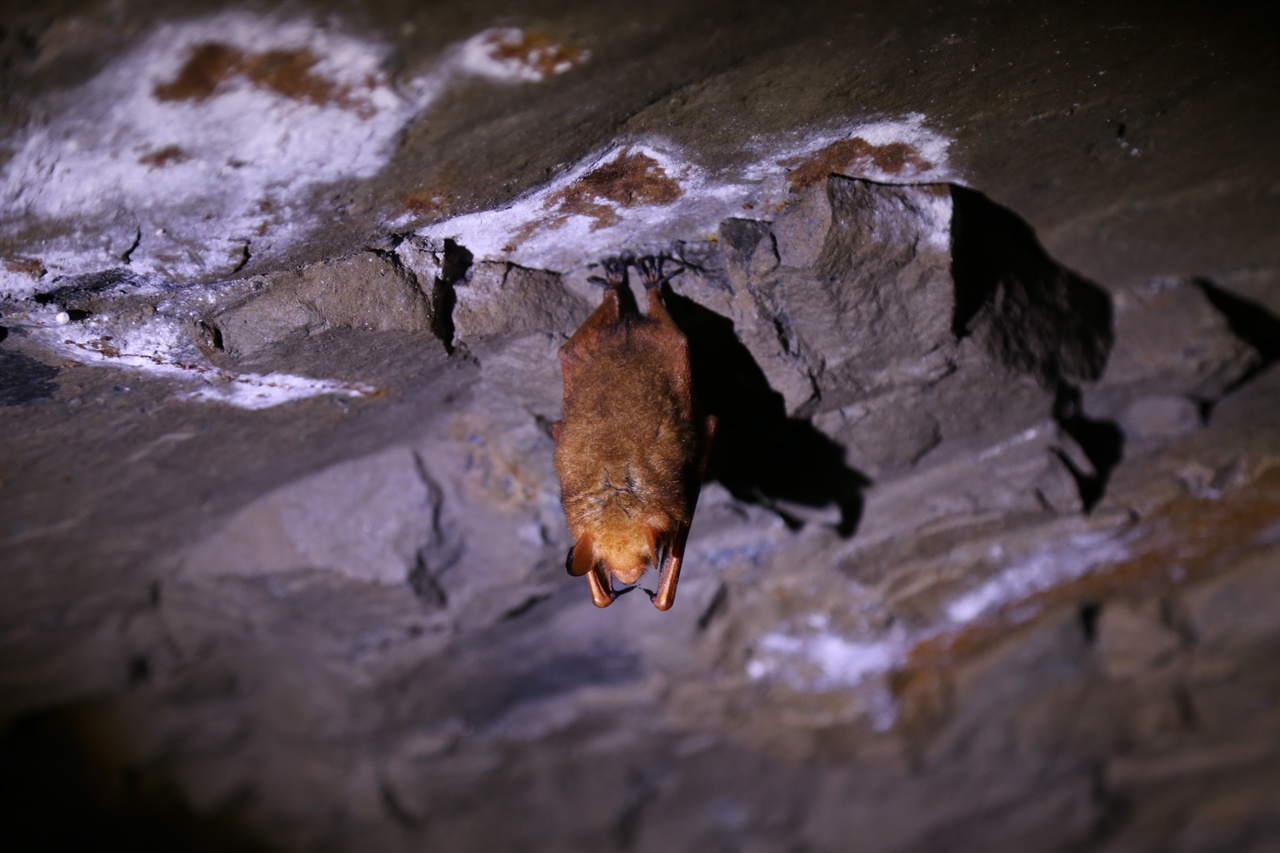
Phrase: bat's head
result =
(624, 551)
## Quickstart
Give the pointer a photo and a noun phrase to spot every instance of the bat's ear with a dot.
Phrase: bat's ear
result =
(555, 431)
(582, 557)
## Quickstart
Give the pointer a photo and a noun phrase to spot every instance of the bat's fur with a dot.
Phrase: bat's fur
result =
(632, 446)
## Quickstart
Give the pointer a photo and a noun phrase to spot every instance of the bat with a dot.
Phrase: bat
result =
(632, 445)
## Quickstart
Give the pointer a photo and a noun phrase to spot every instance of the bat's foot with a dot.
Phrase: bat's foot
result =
(615, 272)
(650, 269)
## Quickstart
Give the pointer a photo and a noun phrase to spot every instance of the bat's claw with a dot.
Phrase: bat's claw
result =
(650, 269)
(615, 272)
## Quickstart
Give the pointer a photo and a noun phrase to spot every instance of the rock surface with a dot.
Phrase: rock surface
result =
(984, 296)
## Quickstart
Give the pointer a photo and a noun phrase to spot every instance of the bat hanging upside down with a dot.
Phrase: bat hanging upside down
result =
(632, 448)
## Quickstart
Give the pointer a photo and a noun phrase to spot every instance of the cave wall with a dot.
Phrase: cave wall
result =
(984, 297)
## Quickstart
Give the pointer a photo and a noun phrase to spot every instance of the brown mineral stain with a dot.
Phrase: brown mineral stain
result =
(629, 179)
(23, 265)
(286, 72)
(1186, 540)
(103, 345)
(425, 203)
(163, 156)
(852, 155)
(525, 231)
(533, 50)
(205, 69)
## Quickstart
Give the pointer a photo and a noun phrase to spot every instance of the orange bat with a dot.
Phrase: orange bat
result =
(632, 448)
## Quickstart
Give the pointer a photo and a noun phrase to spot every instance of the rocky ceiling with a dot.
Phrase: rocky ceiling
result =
(983, 295)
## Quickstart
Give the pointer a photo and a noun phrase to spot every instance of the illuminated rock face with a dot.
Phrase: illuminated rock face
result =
(988, 556)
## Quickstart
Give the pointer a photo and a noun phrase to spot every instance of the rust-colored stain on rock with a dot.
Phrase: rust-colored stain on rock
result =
(850, 155)
(426, 203)
(629, 179)
(289, 73)
(205, 69)
(162, 157)
(534, 50)
(1186, 540)
(23, 265)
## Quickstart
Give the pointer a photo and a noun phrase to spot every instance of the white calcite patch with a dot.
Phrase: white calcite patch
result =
(199, 145)
(821, 659)
(1044, 568)
(627, 195)
(263, 391)
(891, 151)
(647, 193)
(202, 145)
(156, 348)
(812, 655)
(509, 54)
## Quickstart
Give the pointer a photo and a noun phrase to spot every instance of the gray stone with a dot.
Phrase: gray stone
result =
(1170, 340)
(1228, 614)
(504, 299)
(364, 291)
(368, 519)
(1133, 640)
(1161, 417)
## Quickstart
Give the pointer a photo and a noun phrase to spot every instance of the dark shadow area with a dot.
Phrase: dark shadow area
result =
(24, 379)
(1089, 612)
(1029, 311)
(484, 702)
(761, 455)
(1102, 441)
(454, 265)
(1250, 322)
(1035, 316)
(67, 783)
(82, 286)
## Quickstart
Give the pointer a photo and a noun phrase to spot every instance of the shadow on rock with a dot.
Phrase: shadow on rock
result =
(68, 782)
(1249, 321)
(760, 455)
(1027, 310)
(1032, 314)
(1102, 442)
(23, 379)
